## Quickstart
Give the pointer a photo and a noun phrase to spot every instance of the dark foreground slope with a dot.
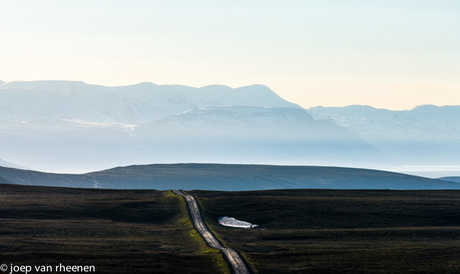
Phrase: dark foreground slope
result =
(229, 178)
(116, 231)
(341, 231)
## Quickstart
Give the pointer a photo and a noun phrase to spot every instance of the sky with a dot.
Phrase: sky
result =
(388, 54)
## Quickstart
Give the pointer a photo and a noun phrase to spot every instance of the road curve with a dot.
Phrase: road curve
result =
(237, 264)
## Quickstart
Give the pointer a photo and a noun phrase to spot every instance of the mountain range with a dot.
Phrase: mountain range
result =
(62, 126)
(69, 126)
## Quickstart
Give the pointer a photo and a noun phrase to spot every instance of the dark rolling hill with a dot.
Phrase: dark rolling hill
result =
(5, 181)
(451, 179)
(29, 177)
(228, 178)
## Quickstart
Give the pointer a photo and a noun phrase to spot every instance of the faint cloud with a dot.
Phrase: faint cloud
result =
(347, 58)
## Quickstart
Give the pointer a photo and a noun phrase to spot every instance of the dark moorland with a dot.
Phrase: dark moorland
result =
(341, 231)
(314, 231)
(117, 231)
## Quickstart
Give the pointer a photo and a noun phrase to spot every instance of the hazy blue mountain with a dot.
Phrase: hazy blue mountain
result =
(73, 126)
(135, 104)
(424, 135)
(65, 125)
(229, 177)
(235, 134)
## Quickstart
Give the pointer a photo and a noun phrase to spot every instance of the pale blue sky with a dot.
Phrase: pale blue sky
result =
(392, 54)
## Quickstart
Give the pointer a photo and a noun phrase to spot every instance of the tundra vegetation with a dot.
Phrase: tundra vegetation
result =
(117, 231)
(148, 231)
(340, 231)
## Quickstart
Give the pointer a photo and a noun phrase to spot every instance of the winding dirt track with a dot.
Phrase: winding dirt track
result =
(237, 264)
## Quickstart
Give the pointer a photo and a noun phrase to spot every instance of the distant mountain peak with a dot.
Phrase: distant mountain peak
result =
(211, 87)
(144, 84)
(434, 107)
(257, 87)
(427, 106)
(46, 85)
(133, 104)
